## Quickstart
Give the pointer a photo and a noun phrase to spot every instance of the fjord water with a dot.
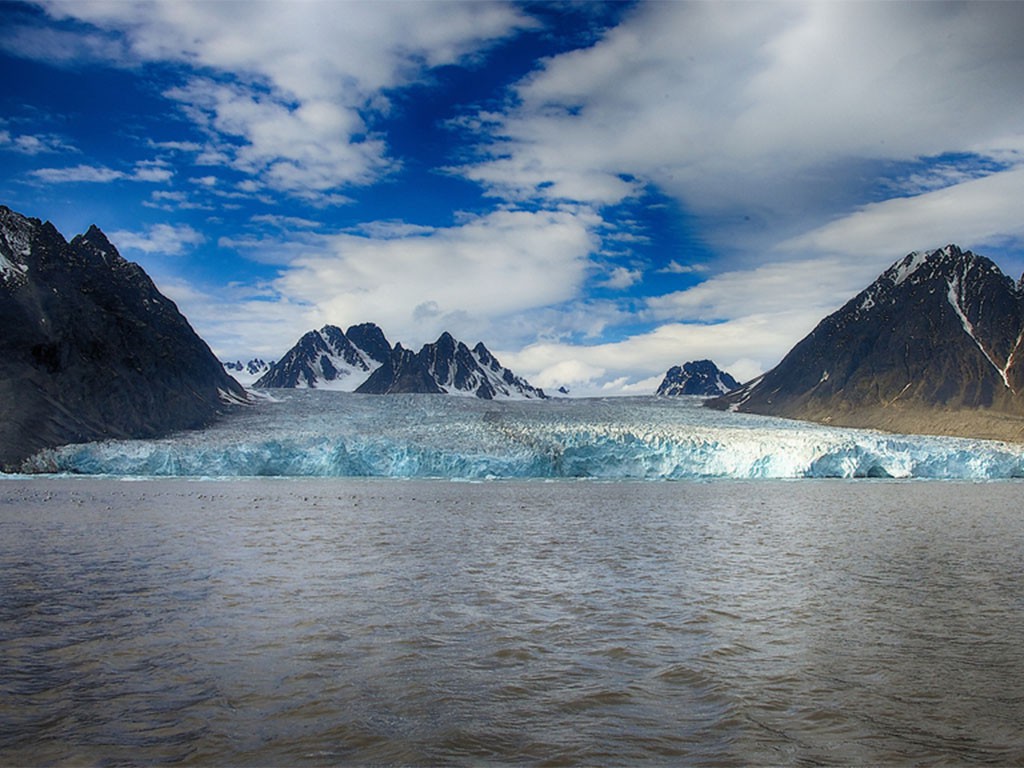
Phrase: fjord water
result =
(314, 433)
(416, 622)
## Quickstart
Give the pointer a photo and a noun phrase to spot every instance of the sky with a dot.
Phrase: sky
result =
(597, 191)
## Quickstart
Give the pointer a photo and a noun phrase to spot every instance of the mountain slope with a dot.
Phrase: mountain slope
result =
(448, 366)
(330, 359)
(362, 360)
(933, 345)
(698, 377)
(247, 374)
(90, 348)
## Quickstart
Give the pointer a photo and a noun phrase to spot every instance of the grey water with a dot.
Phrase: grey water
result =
(416, 622)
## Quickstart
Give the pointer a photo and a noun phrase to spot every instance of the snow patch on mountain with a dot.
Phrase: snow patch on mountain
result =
(248, 373)
(330, 359)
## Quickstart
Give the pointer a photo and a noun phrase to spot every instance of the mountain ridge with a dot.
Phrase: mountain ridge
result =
(362, 360)
(697, 377)
(91, 349)
(933, 345)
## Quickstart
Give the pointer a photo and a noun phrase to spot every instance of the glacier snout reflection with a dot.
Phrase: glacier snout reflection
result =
(300, 433)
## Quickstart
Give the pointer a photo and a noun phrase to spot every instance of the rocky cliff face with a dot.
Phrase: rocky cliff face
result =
(933, 345)
(699, 377)
(90, 348)
(449, 366)
(330, 359)
(362, 360)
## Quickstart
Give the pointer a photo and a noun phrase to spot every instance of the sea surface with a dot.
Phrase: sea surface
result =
(388, 622)
(329, 579)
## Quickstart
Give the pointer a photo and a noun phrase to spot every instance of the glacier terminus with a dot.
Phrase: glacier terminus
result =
(314, 433)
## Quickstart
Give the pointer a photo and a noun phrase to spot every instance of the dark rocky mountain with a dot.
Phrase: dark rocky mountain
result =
(699, 377)
(448, 366)
(362, 360)
(330, 359)
(932, 346)
(90, 348)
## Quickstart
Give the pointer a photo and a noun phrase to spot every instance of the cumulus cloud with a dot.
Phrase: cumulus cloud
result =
(760, 118)
(32, 144)
(501, 264)
(621, 278)
(289, 85)
(746, 347)
(164, 239)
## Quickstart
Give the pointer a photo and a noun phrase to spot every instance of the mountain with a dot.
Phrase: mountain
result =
(932, 346)
(90, 348)
(330, 359)
(362, 360)
(247, 373)
(699, 377)
(449, 366)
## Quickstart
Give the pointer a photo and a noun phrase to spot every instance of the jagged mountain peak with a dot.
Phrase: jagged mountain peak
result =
(697, 377)
(362, 360)
(939, 332)
(947, 262)
(91, 349)
(330, 358)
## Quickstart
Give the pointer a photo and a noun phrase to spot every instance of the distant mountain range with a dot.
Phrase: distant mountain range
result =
(247, 373)
(699, 377)
(934, 345)
(362, 360)
(90, 348)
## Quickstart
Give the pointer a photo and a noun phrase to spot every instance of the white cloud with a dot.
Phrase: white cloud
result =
(501, 278)
(147, 171)
(78, 173)
(970, 214)
(760, 118)
(165, 239)
(469, 275)
(239, 322)
(621, 278)
(745, 347)
(817, 285)
(29, 144)
(290, 83)
(675, 268)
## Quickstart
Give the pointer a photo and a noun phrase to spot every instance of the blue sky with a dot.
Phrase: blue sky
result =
(597, 191)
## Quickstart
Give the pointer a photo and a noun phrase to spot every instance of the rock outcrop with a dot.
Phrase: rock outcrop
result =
(90, 348)
(330, 359)
(698, 377)
(934, 345)
(362, 360)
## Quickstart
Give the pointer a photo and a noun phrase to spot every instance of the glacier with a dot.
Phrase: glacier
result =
(306, 433)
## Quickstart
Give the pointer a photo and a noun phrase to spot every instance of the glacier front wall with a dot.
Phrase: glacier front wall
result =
(313, 433)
